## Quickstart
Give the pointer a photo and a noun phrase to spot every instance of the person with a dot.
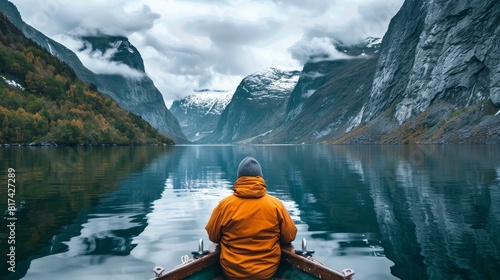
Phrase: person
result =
(250, 226)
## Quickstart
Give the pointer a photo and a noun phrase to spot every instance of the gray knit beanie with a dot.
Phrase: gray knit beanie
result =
(249, 167)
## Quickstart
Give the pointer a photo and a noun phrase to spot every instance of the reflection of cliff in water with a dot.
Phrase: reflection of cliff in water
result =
(438, 208)
(327, 190)
(66, 189)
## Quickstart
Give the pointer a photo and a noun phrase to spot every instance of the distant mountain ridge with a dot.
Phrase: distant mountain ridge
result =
(303, 110)
(139, 96)
(256, 107)
(199, 112)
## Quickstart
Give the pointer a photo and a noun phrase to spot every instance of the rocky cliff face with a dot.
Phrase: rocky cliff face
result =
(330, 104)
(328, 96)
(313, 76)
(438, 76)
(257, 107)
(321, 104)
(316, 73)
(199, 113)
(434, 79)
(139, 96)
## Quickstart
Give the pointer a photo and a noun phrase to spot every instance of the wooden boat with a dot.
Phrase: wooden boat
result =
(295, 264)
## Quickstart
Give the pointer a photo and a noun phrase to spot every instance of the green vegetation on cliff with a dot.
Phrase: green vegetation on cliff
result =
(42, 100)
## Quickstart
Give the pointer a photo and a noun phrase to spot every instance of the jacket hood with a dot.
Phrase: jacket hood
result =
(250, 187)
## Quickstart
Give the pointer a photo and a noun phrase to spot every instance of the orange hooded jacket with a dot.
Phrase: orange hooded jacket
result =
(249, 226)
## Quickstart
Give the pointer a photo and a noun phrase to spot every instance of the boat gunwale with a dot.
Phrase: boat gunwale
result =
(185, 270)
(313, 267)
(307, 265)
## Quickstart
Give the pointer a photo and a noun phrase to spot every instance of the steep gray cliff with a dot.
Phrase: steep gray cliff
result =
(313, 76)
(326, 101)
(319, 71)
(437, 77)
(139, 96)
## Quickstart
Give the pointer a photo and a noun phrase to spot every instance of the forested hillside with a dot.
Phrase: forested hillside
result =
(42, 100)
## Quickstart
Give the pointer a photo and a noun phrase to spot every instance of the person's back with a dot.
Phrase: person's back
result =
(249, 226)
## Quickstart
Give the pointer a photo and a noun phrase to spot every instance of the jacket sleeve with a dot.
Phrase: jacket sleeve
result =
(213, 227)
(288, 229)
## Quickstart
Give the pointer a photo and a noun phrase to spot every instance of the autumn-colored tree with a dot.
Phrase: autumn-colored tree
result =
(54, 105)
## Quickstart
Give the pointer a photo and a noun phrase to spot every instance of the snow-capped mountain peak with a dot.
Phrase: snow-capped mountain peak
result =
(199, 112)
(214, 101)
(270, 82)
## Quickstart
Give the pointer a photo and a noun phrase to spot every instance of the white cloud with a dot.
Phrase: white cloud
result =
(97, 62)
(117, 17)
(191, 44)
(316, 49)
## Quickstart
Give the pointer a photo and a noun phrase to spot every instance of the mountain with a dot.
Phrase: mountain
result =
(434, 78)
(326, 101)
(42, 101)
(257, 107)
(138, 95)
(199, 113)
(437, 77)
(307, 109)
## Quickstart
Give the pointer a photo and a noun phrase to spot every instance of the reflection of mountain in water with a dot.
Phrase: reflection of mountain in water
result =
(433, 211)
(438, 208)
(74, 200)
(316, 177)
(327, 191)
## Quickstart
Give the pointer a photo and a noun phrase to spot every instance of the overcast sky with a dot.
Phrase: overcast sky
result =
(193, 44)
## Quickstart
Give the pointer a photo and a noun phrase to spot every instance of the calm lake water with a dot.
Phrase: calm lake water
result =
(388, 212)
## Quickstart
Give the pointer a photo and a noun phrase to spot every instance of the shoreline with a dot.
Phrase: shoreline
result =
(52, 144)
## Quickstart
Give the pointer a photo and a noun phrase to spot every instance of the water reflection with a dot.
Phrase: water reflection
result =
(75, 204)
(330, 204)
(438, 208)
(409, 212)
